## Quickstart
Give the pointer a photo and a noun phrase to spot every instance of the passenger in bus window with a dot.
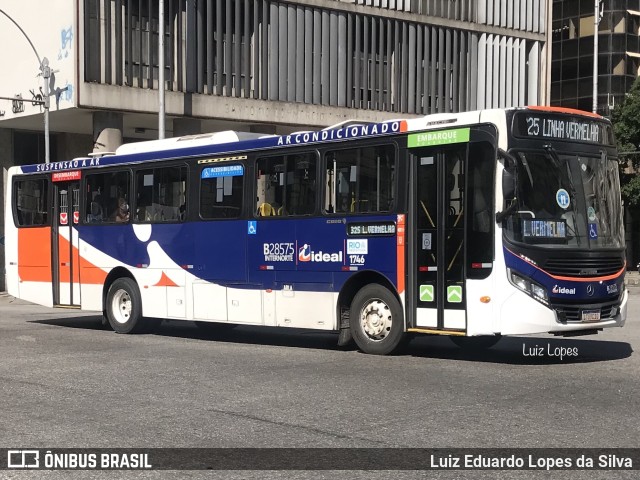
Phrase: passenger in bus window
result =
(122, 212)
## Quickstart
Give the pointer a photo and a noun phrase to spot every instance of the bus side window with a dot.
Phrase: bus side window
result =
(106, 192)
(360, 180)
(30, 202)
(479, 204)
(286, 185)
(221, 190)
(161, 194)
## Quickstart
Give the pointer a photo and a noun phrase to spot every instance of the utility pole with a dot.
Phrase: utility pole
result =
(596, 22)
(161, 108)
(45, 71)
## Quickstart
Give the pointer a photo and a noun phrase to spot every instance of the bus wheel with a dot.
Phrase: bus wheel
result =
(476, 343)
(376, 320)
(124, 306)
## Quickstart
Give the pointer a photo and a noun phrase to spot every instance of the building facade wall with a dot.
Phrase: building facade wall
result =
(451, 56)
(23, 52)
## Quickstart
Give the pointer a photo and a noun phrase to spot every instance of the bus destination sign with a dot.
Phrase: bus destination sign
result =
(561, 127)
(544, 228)
(370, 229)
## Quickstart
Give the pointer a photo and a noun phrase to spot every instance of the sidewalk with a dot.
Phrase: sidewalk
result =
(5, 298)
(632, 279)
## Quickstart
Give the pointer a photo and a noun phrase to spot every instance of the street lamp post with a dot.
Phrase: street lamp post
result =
(45, 71)
(161, 106)
(596, 22)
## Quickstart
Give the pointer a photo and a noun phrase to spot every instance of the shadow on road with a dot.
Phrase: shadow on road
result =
(525, 350)
(510, 350)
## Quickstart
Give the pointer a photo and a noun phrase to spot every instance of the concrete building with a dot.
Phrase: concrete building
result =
(257, 65)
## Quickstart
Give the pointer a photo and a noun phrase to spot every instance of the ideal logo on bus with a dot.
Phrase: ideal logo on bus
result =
(305, 254)
(563, 290)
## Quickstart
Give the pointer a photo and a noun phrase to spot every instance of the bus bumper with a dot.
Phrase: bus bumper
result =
(522, 314)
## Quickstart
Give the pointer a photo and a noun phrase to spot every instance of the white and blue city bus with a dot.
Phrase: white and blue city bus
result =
(472, 225)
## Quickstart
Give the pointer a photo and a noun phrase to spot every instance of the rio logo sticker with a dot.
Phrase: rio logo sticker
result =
(305, 254)
(357, 246)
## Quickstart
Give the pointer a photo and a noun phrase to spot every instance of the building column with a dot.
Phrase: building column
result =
(186, 126)
(107, 131)
(6, 161)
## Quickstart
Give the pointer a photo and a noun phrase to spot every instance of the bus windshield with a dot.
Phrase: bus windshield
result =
(566, 200)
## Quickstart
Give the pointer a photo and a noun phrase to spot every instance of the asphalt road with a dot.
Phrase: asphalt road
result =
(67, 381)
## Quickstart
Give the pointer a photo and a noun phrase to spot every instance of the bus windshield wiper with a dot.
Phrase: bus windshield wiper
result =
(552, 155)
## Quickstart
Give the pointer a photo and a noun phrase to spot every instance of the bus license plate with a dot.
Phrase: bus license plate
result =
(591, 315)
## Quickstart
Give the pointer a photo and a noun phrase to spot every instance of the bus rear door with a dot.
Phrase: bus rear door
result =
(66, 264)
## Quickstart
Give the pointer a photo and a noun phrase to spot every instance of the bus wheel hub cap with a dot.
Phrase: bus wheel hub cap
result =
(121, 306)
(376, 319)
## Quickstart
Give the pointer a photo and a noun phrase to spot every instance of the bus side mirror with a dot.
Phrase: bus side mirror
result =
(509, 180)
(508, 184)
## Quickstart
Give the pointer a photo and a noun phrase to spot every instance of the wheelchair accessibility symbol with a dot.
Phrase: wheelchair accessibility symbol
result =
(252, 227)
(593, 231)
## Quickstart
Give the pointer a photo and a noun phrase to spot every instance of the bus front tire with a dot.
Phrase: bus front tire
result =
(376, 320)
(476, 343)
(124, 307)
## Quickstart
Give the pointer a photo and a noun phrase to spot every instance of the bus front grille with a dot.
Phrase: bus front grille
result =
(584, 267)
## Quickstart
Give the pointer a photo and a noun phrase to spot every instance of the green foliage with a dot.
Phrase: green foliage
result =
(630, 184)
(626, 125)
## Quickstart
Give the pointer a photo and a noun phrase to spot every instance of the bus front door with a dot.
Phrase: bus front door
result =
(66, 265)
(439, 250)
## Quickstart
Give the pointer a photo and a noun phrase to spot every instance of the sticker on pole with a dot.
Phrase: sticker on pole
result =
(64, 218)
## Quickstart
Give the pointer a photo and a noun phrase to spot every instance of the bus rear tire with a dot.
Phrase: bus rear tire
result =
(376, 320)
(124, 307)
(483, 342)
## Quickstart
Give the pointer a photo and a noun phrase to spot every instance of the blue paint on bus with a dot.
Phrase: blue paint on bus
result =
(302, 251)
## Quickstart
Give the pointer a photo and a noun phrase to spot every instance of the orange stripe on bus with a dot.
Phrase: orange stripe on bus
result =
(574, 279)
(165, 281)
(87, 274)
(34, 254)
(400, 248)
(64, 260)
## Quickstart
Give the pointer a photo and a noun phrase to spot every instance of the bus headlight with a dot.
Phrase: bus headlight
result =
(539, 292)
(529, 287)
